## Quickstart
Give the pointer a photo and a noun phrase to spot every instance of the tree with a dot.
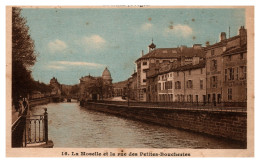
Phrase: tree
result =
(75, 89)
(23, 56)
(99, 86)
(23, 49)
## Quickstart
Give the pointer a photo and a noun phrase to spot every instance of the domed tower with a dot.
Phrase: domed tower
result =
(107, 76)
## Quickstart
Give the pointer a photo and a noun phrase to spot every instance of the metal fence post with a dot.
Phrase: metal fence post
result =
(46, 125)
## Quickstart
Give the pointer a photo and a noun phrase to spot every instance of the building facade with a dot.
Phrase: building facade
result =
(235, 69)
(120, 89)
(190, 83)
(56, 86)
(96, 88)
(226, 69)
(165, 84)
(161, 56)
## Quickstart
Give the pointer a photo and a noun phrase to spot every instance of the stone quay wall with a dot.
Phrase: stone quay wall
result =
(39, 101)
(223, 124)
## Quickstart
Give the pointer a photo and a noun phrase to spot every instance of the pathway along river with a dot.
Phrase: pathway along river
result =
(73, 126)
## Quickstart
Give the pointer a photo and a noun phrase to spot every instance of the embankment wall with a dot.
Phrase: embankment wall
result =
(40, 101)
(230, 125)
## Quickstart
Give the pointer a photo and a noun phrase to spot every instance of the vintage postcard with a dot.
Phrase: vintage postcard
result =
(130, 81)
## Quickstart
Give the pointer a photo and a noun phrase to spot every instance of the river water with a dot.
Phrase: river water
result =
(73, 126)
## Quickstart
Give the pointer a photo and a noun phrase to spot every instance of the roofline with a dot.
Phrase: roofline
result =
(201, 65)
(220, 43)
(227, 54)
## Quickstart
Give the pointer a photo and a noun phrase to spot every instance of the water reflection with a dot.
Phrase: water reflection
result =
(73, 126)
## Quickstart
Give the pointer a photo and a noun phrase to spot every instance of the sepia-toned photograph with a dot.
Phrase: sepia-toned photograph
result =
(130, 81)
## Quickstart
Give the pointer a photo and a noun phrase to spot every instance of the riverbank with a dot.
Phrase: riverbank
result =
(222, 124)
(40, 101)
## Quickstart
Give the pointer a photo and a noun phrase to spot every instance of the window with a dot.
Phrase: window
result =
(237, 73)
(159, 86)
(189, 84)
(144, 63)
(144, 80)
(201, 71)
(231, 74)
(243, 72)
(189, 98)
(214, 82)
(241, 56)
(139, 65)
(163, 88)
(229, 93)
(168, 85)
(178, 85)
(229, 58)
(212, 52)
(213, 65)
(201, 84)
(225, 74)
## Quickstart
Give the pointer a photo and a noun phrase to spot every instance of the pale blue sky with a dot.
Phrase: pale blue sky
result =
(75, 42)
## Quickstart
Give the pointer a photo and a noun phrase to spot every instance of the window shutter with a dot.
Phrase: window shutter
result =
(216, 82)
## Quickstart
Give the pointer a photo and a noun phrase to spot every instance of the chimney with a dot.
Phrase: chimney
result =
(223, 36)
(142, 53)
(243, 35)
(182, 47)
(197, 46)
(207, 43)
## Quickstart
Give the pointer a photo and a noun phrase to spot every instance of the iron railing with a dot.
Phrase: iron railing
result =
(210, 106)
(30, 129)
(18, 129)
(36, 130)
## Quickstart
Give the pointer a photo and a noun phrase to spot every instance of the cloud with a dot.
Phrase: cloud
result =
(179, 29)
(146, 26)
(57, 46)
(93, 42)
(71, 63)
(56, 67)
(60, 65)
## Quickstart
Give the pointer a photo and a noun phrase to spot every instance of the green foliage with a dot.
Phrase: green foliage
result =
(22, 45)
(23, 56)
(74, 90)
